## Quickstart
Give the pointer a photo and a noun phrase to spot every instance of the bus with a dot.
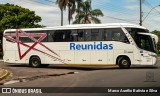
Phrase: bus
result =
(119, 44)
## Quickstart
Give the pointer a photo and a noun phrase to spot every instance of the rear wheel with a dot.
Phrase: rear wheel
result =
(35, 62)
(124, 62)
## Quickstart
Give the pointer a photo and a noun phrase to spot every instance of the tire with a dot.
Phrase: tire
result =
(35, 62)
(124, 63)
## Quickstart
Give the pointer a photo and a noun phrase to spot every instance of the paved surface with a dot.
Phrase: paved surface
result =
(3, 74)
(24, 71)
(85, 77)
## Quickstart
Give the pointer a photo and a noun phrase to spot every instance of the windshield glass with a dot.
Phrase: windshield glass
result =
(145, 42)
(134, 32)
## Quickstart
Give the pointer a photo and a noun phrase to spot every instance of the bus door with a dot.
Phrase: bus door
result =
(145, 45)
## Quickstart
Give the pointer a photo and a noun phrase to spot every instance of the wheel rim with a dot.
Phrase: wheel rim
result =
(124, 62)
(34, 62)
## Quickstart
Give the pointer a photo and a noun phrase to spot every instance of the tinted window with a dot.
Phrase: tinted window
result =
(58, 36)
(62, 36)
(14, 37)
(50, 36)
(96, 35)
(88, 35)
(81, 35)
(36, 37)
(93, 34)
(74, 35)
(134, 31)
(145, 43)
(24, 39)
(115, 34)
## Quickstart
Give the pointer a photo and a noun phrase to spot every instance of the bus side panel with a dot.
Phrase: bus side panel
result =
(9, 56)
(9, 51)
(67, 56)
(17, 58)
(52, 59)
(99, 57)
(82, 57)
(110, 58)
(125, 52)
(137, 57)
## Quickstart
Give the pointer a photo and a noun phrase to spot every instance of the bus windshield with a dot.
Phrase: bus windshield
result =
(145, 42)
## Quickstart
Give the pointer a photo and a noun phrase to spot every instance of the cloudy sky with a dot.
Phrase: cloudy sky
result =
(115, 11)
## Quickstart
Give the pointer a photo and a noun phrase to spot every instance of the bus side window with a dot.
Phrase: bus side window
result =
(96, 34)
(67, 35)
(25, 39)
(62, 36)
(101, 34)
(14, 37)
(50, 36)
(81, 36)
(88, 35)
(74, 35)
(36, 37)
(116, 34)
(106, 35)
(45, 39)
(59, 36)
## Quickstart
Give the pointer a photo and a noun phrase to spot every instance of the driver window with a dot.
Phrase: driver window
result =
(144, 43)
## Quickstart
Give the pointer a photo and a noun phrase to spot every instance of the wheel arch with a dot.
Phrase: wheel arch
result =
(38, 61)
(40, 56)
(34, 56)
(122, 56)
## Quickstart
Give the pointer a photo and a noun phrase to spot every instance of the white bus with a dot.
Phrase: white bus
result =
(119, 44)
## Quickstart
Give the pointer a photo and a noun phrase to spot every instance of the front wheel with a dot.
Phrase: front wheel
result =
(35, 62)
(124, 62)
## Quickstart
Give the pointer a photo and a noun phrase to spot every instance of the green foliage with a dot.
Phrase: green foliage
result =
(13, 16)
(84, 11)
(87, 15)
(71, 4)
(156, 32)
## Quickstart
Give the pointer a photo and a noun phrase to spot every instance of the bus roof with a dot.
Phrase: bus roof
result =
(83, 26)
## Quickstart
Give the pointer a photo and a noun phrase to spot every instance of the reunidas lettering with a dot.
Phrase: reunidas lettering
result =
(94, 46)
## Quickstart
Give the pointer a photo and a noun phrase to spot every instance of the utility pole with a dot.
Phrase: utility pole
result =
(140, 13)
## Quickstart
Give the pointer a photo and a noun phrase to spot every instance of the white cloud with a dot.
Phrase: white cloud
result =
(131, 1)
(51, 15)
(132, 7)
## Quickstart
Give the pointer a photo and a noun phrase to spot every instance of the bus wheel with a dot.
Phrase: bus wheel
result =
(124, 62)
(35, 62)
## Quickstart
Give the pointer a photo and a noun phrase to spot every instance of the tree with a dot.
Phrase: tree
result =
(12, 16)
(85, 14)
(62, 4)
(78, 8)
(71, 9)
